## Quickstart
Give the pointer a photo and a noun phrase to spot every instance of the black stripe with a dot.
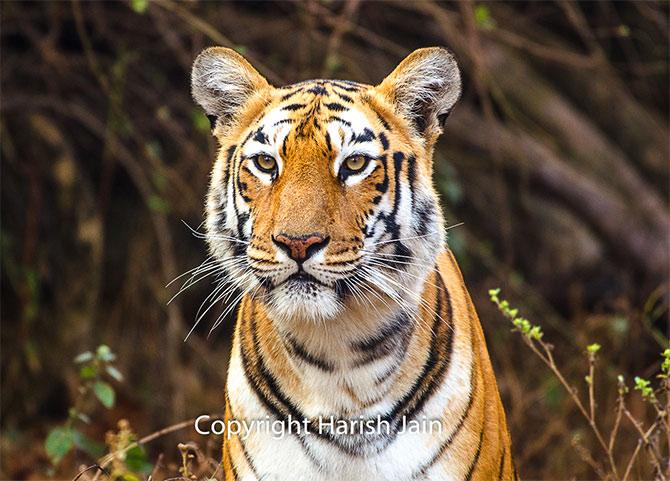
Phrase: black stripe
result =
(473, 465)
(366, 136)
(244, 448)
(344, 97)
(383, 140)
(283, 121)
(461, 422)
(300, 351)
(256, 372)
(291, 94)
(353, 87)
(437, 362)
(389, 339)
(261, 137)
(334, 106)
(411, 178)
(328, 143)
(339, 119)
(502, 464)
(226, 170)
(293, 107)
(318, 90)
(384, 184)
(381, 118)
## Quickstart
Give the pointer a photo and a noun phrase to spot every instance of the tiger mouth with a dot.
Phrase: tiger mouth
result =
(302, 277)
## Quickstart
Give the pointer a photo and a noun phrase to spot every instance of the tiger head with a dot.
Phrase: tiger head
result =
(321, 197)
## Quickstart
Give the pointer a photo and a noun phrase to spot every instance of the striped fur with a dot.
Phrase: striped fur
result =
(376, 323)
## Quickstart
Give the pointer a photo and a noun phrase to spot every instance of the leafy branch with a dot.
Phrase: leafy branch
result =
(532, 335)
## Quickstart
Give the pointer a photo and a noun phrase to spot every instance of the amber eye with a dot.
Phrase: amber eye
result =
(265, 163)
(355, 163)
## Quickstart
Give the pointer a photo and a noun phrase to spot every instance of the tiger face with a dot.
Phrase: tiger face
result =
(321, 198)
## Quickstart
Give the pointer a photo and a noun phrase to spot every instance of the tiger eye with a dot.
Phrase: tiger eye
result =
(265, 163)
(355, 163)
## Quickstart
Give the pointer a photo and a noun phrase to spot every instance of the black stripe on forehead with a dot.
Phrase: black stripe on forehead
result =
(384, 141)
(318, 90)
(291, 94)
(347, 85)
(344, 97)
(366, 136)
(261, 137)
(336, 107)
(335, 118)
(296, 106)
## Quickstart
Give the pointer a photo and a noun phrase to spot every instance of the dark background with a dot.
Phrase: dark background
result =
(555, 160)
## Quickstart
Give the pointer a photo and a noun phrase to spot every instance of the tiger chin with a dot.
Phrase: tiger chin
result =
(322, 212)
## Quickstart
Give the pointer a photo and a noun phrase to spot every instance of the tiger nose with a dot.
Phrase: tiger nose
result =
(300, 248)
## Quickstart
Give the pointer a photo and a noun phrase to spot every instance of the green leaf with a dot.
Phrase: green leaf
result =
(200, 121)
(139, 6)
(483, 17)
(105, 394)
(104, 353)
(158, 204)
(88, 372)
(114, 372)
(84, 357)
(58, 444)
(93, 448)
(137, 461)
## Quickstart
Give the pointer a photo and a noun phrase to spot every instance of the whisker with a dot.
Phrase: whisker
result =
(206, 235)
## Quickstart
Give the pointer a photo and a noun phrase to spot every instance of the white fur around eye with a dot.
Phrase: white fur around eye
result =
(341, 135)
(264, 177)
(353, 179)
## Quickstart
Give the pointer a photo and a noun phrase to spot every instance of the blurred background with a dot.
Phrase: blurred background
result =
(555, 160)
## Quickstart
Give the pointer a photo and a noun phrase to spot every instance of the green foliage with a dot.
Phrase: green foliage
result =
(105, 393)
(521, 324)
(95, 367)
(59, 442)
(645, 388)
(593, 349)
(200, 121)
(665, 365)
(139, 6)
(129, 461)
(158, 204)
(483, 17)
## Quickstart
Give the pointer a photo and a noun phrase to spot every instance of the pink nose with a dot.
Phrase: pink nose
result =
(298, 248)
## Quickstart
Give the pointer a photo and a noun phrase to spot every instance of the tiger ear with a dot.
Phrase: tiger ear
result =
(222, 82)
(423, 89)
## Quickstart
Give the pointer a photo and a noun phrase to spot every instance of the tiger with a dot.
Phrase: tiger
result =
(354, 325)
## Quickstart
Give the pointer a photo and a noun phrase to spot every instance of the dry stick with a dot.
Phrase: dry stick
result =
(548, 360)
(592, 399)
(146, 439)
(88, 47)
(588, 459)
(633, 457)
(576, 18)
(162, 231)
(481, 79)
(342, 24)
(108, 458)
(617, 422)
(210, 31)
(655, 455)
(381, 43)
(543, 52)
